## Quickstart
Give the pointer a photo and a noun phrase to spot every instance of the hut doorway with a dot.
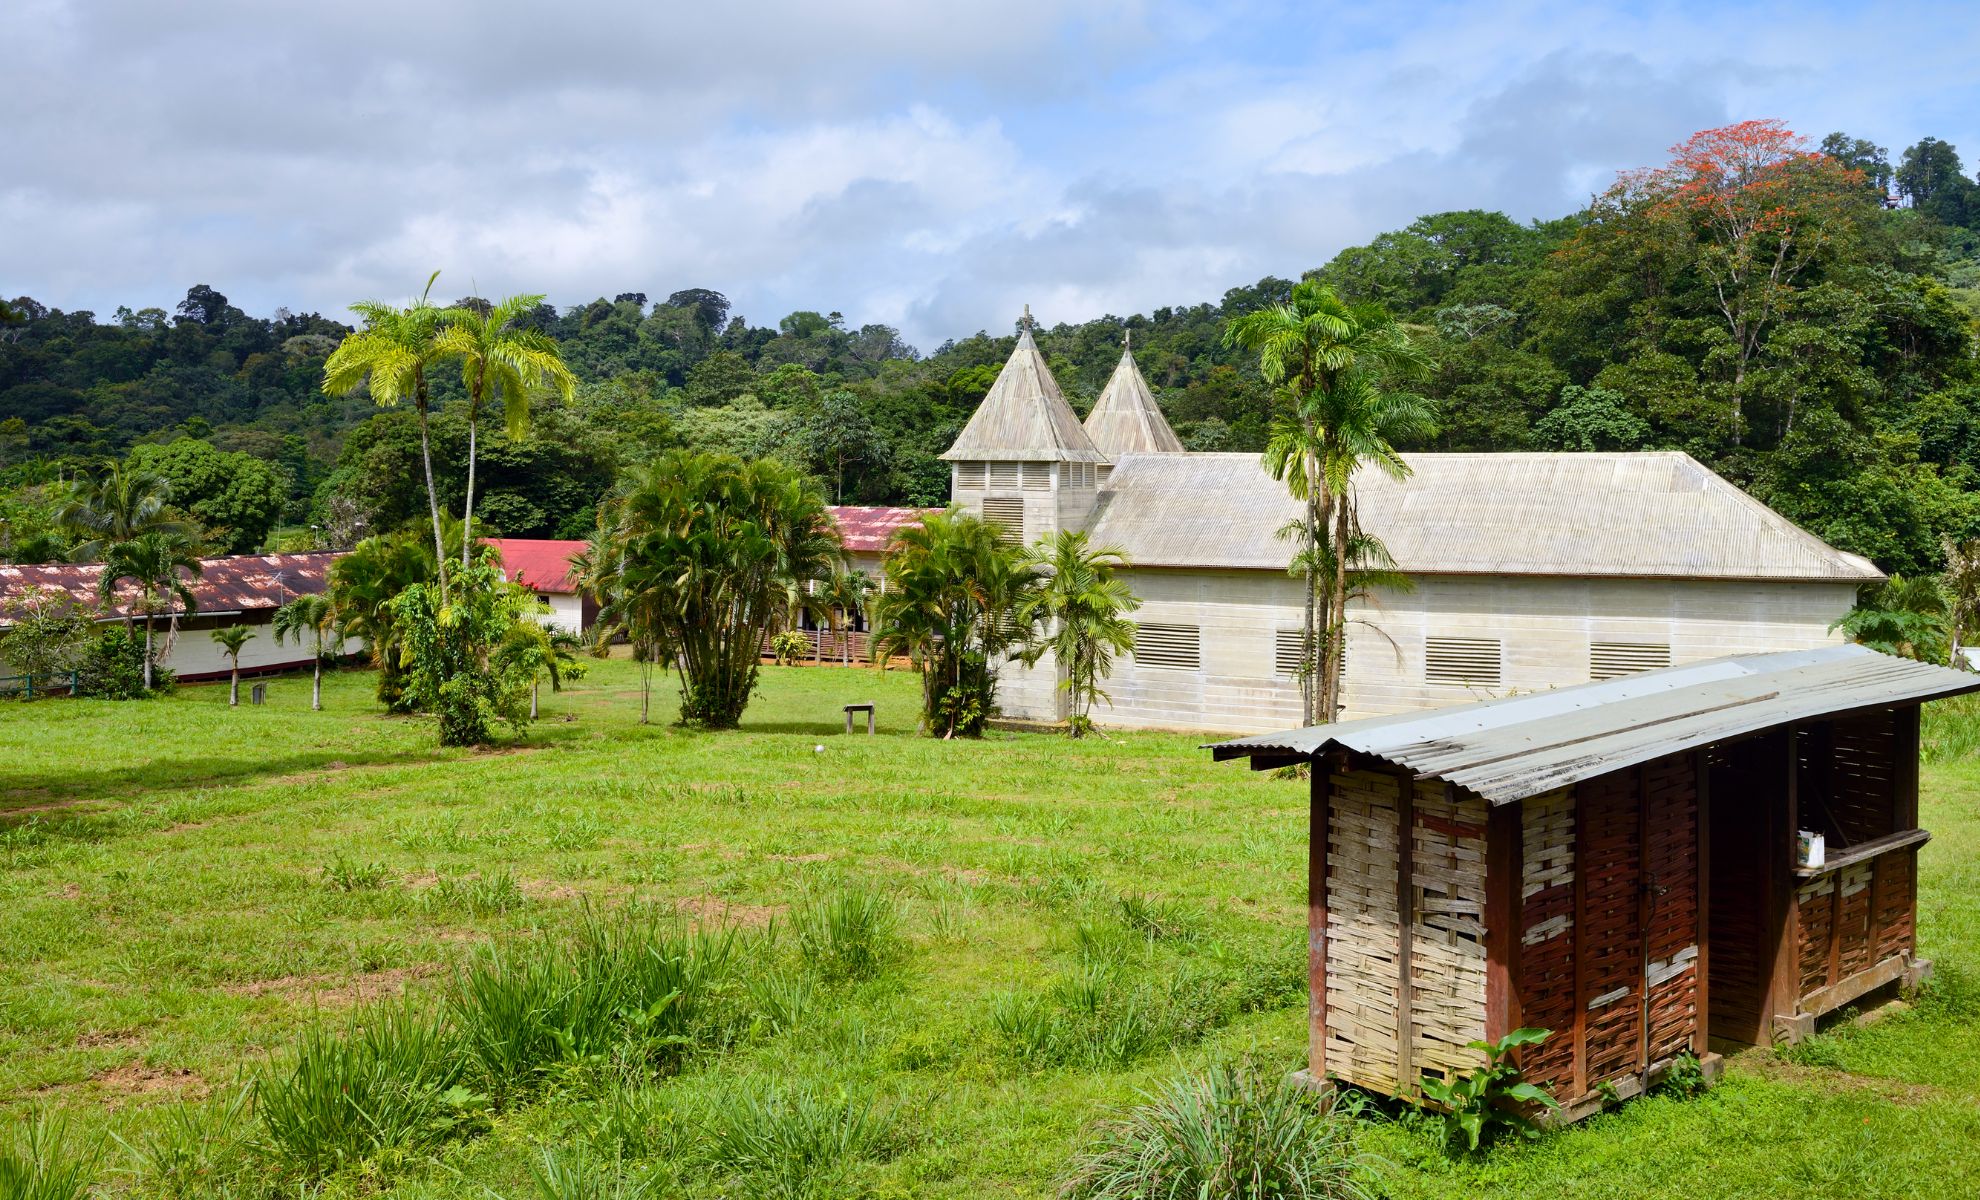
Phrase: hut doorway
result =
(1748, 783)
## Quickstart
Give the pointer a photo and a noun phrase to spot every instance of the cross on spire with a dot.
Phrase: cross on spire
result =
(1025, 322)
(1127, 339)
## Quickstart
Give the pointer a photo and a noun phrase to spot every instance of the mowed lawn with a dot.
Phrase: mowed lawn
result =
(185, 889)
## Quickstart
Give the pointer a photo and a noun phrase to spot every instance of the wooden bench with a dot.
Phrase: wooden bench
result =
(865, 708)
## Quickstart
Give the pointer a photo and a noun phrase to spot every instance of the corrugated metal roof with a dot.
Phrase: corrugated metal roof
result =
(233, 583)
(1506, 750)
(1659, 514)
(1126, 419)
(1024, 418)
(868, 528)
(541, 564)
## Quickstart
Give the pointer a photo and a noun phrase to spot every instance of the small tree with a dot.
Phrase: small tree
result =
(160, 562)
(47, 635)
(1961, 586)
(311, 614)
(845, 595)
(449, 638)
(954, 605)
(1904, 617)
(540, 650)
(1083, 605)
(230, 639)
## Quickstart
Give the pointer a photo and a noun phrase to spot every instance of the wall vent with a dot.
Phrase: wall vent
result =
(1611, 660)
(1003, 475)
(1037, 475)
(969, 477)
(1179, 647)
(1467, 662)
(1007, 513)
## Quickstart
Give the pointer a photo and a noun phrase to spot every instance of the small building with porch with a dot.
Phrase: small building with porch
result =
(1616, 862)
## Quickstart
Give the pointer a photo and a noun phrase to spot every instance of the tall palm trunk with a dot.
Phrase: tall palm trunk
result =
(1320, 607)
(432, 497)
(474, 425)
(316, 681)
(1337, 607)
(147, 648)
(234, 684)
(535, 685)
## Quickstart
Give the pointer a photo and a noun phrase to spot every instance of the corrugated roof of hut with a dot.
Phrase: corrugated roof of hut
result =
(1024, 418)
(1126, 420)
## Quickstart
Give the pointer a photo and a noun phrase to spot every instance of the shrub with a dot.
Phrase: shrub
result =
(790, 647)
(794, 1142)
(1230, 1133)
(40, 1165)
(348, 875)
(850, 934)
(112, 668)
(389, 1082)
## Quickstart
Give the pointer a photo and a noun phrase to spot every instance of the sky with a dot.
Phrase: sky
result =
(931, 166)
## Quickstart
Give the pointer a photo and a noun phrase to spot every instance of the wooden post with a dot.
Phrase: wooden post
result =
(1644, 883)
(1504, 863)
(1580, 1029)
(1904, 769)
(1701, 1034)
(1405, 922)
(1785, 984)
(1317, 842)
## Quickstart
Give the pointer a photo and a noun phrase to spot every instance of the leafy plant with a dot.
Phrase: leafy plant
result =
(449, 640)
(349, 875)
(478, 895)
(1230, 1132)
(41, 1165)
(790, 647)
(1479, 1104)
(1685, 1076)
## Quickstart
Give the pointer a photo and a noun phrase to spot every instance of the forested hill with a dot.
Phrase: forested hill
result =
(1783, 325)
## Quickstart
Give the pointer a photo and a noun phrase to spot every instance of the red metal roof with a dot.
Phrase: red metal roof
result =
(234, 583)
(541, 564)
(869, 528)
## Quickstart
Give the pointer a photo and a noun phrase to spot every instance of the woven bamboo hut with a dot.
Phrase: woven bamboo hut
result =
(1615, 862)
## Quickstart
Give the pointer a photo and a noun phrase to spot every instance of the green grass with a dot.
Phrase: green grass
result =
(949, 960)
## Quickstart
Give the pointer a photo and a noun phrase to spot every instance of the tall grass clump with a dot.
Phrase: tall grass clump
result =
(1949, 729)
(39, 1164)
(793, 1143)
(574, 1175)
(192, 1150)
(1229, 1132)
(850, 934)
(388, 1083)
(633, 993)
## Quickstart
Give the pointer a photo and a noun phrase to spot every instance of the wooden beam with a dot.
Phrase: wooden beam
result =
(1865, 850)
(1702, 969)
(1830, 998)
(1405, 922)
(1784, 983)
(1643, 885)
(1504, 864)
(1318, 843)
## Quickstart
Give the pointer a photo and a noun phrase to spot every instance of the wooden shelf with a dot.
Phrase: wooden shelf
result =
(1862, 852)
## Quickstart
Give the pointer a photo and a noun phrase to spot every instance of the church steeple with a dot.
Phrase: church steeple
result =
(1024, 418)
(1126, 419)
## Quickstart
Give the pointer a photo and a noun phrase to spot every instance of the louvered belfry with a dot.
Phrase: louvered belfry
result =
(1126, 419)
(1617, 863)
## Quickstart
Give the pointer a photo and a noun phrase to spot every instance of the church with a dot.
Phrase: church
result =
(1531, 570)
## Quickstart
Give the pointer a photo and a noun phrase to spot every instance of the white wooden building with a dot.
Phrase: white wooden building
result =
(1532, 571)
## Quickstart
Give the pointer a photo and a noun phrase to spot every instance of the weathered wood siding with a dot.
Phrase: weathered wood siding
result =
(1364, 967)
(1447, 931)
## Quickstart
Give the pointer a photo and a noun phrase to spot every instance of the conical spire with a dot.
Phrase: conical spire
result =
(1126, 420)
(1024, 418)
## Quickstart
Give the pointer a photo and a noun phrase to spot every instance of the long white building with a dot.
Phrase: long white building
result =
(1531, 571)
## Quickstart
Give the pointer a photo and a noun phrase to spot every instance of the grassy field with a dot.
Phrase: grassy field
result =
(189, 890)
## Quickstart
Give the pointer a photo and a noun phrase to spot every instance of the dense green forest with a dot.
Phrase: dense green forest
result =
(1814, 343)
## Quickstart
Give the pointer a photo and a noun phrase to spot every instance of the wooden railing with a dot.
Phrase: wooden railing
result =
(1854, 919)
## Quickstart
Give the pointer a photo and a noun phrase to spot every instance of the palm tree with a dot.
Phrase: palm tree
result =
(116, 507)
(845, 595)
(1085, 605)
(541, 650)
(1328, 357)
(393, 352)
(1962, 588)
(310, 613)
(500, 361)
(155, 560)
(701, 554)
(954, 604)
(230, 639)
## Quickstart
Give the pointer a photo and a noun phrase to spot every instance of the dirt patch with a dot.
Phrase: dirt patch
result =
(336, 764)
(713, 910)
(67, 891)
(101, 1039)
(334, 991)
(1768, 1066)
(135, 1081)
